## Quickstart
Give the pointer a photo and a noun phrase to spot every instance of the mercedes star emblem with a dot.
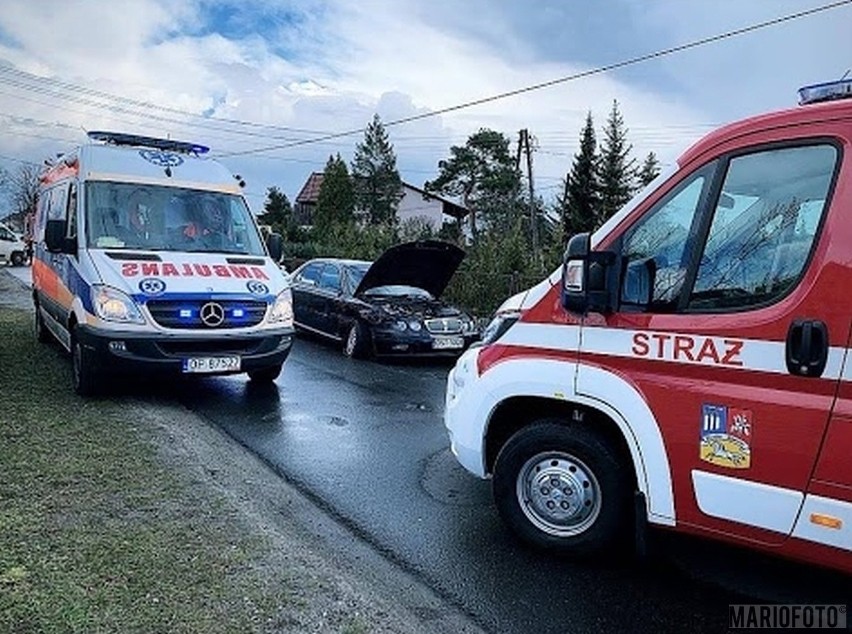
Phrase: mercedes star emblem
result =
(212, 314)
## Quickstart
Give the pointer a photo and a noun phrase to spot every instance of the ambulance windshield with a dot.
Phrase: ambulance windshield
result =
(156, 218)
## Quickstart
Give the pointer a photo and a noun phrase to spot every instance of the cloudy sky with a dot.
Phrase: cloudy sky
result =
(260, 81)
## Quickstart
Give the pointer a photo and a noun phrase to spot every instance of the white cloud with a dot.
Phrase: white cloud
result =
(333, 65)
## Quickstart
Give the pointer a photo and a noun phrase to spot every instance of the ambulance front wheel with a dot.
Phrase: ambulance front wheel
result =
(265, 375)
(83, 372)
(562, 487)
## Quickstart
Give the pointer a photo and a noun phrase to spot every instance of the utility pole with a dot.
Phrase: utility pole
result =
(525, 147)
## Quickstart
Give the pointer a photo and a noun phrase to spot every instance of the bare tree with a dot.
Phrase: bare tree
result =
(23, 188)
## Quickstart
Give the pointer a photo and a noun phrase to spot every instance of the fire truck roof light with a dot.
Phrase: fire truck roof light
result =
(828, 91)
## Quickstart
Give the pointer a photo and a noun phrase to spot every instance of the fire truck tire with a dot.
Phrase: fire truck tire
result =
(563, 488)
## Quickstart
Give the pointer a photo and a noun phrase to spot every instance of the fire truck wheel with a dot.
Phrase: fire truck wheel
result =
(562, 487)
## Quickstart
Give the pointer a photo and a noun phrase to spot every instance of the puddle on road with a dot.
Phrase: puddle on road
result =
(446, 481)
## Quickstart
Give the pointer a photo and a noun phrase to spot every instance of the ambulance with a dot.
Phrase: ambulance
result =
(147, 259)
(688, 366)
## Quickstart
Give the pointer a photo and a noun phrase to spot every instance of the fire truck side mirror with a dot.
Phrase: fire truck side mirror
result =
(587, 277)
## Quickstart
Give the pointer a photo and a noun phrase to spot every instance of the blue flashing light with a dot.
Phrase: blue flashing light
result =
(185, 313)
(238, 313)
(120, 138)
(828, 91)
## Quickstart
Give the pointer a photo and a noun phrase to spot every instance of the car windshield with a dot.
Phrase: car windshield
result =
(158, 218)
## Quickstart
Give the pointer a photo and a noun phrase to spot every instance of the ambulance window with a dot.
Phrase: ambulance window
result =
(763, 226)
(664, 235)
(56, 204)
(72, 212)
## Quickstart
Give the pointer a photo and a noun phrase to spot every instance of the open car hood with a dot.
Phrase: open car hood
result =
(426, 264)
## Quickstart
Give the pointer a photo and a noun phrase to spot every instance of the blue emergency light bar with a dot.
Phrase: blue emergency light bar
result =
(828, 91)
(168, 145)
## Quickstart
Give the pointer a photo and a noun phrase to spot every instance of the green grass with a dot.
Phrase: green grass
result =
(96, 533)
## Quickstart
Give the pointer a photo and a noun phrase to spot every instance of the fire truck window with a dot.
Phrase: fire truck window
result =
(763, 227)
(663, 235)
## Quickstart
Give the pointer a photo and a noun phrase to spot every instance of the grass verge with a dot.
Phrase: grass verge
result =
(96, 534)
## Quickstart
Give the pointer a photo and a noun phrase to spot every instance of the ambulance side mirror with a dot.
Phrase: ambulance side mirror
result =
(56, 240)
(587, 283)
(275, 245)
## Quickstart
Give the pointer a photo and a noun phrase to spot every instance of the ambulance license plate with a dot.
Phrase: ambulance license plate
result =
(447, 343)
(206, 365)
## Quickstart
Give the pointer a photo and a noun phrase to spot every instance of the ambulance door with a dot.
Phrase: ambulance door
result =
(55, 296)
(730, 343)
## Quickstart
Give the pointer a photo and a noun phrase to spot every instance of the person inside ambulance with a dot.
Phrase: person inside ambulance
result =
(210, 226)
(137, 230)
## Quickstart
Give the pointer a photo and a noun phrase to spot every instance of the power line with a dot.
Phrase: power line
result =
(553, 82)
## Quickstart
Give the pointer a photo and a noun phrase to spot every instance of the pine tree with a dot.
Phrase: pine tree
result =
(616, 168)
(336, 200)
(483, 173)
(377, 184)
(649, 171)
(581, 202)
(277, 212)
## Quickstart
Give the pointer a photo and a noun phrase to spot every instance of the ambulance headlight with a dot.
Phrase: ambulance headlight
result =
(112, 305)
(282, 309)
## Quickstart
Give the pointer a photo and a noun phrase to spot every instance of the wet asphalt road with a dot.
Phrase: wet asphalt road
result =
(366, 441)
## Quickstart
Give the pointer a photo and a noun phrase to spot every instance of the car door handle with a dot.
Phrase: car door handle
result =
(807, 347)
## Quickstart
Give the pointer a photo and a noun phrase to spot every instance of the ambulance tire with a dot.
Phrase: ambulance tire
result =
(265, 375)
(587, 513)
(41, 332)
(83, 372)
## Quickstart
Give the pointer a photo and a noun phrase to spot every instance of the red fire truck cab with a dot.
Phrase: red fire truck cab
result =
(690, 367)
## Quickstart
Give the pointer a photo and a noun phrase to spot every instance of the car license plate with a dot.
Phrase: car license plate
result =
(205, 365)
(447, 343)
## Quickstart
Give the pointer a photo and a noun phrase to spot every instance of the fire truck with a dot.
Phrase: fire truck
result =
(688, 366)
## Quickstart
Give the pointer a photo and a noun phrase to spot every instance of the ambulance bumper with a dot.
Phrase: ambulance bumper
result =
(124, 352)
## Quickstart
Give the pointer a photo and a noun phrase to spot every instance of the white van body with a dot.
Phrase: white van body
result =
(129, 278)
(12, 247)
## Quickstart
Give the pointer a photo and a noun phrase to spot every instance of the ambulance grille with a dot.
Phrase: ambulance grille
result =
(186, 315)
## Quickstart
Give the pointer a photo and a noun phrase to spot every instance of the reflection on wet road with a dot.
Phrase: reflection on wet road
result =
(366, 441)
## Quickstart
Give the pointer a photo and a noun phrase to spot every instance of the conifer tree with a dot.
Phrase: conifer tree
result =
(376, 180)
(649, 171)
(581, 201)
(336, 201)
(277, 212)
(616, 168)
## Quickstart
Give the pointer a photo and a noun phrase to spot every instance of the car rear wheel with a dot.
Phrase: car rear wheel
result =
(17, 258)
(265, 375)
(563, 487)
(355, 345)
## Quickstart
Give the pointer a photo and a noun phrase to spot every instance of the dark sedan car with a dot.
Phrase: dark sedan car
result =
(388, 307)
